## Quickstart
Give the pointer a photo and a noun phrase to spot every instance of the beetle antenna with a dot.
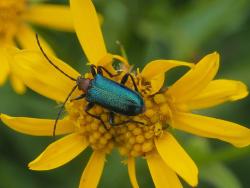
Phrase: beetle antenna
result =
(61, 110)
(45, 55)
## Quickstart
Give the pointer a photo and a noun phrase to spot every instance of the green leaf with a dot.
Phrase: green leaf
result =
(219, 176)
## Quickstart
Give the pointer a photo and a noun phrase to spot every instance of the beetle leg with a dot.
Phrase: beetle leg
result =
(79, 97)
(100, 70)
(112, 118)
(125, 79)
(92, 70)
(88, 107)
(139, 122)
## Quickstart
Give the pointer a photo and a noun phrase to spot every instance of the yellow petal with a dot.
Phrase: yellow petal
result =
(176, 158)
(26, 37)
(60, 152)
(4, 70)
(17, 84)
(196, 79)
(52, 16)
(40, 76)
(123, 60)
(88, 29)
(37, 127)
(155, 72)
(7, 59)
(209, 127)
(162, 175)
(217, 92)
(132, 173)
(93, 171)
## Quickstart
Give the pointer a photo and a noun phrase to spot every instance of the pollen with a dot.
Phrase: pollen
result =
(132, 138)
(11, 15)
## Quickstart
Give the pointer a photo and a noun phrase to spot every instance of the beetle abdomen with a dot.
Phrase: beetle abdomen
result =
(114, 96)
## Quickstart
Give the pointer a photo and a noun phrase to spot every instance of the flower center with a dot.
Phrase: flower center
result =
(132, 139)
(10, 17)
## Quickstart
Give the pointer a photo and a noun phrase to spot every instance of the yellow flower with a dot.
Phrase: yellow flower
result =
(165, 109)
(15, 19)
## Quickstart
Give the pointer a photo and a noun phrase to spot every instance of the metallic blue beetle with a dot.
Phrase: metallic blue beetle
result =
(115, 97)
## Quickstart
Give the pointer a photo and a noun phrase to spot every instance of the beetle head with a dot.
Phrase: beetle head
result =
(83, 83)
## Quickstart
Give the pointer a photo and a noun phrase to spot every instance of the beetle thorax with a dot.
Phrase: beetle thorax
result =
(83, 83)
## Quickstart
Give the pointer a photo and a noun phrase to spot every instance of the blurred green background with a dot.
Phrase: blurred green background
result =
(173, 29)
